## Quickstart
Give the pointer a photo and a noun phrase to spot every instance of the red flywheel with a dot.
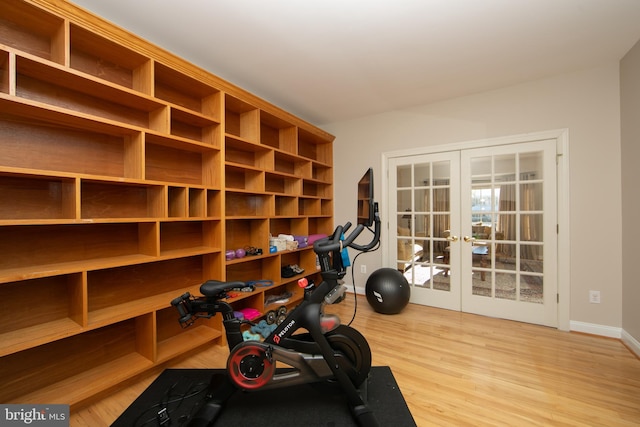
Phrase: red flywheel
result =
(249, 366)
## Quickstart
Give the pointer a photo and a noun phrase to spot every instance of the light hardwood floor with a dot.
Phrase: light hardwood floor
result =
(457, 369)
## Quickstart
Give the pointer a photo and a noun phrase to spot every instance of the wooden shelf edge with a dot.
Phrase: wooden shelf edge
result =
(131, 309)
(46, 270)
(80, 387)
(22, 339)
(186, 341)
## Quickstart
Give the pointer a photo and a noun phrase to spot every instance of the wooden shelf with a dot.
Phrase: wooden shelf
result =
(125, 174)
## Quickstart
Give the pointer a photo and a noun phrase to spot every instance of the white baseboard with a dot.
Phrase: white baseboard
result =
(631, 342)
(594, 329)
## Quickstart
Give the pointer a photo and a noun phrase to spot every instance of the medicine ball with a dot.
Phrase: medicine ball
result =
(387, 291)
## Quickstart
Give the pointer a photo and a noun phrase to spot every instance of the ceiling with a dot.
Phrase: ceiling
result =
(333, 60)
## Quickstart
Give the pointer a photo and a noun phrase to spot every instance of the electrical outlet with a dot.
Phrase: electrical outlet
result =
(363, 269)
(594, 297)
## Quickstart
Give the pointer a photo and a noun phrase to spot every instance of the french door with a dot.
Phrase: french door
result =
(475, 229)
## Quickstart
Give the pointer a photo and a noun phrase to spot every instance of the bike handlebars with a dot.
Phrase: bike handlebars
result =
(336, 243)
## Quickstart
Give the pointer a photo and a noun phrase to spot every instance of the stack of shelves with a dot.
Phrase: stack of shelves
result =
(125, 173)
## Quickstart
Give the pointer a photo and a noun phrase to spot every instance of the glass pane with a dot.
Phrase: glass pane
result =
(422, 175)
(404, 224)
(506, 227)
(505, 256)
(441, 280)
(403, 176)
(422, 275)
(441, 201)
(531, 228)
(531, 197)
(481, 205)
(505, 168)
(421, 225)
(531, 166)
(441, 173)
(404, 200)
(480, 170)
(481, 283)
(531, 258)
(421, 198)
(441, 225)
(505, 286)
(531, 288)
(506, 198)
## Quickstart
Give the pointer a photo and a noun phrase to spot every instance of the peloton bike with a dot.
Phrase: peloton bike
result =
(323, 350)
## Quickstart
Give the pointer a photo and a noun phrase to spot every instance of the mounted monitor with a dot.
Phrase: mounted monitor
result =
(365, 199)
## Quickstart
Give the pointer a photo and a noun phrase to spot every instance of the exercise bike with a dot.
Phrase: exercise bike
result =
(326, 351)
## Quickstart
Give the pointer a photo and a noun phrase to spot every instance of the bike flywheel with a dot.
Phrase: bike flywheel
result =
(250, 365)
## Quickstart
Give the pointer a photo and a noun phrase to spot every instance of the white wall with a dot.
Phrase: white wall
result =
(587, 103)
(630, 102)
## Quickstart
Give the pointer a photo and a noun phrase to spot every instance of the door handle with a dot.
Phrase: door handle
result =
(452, 238)
(469, 239)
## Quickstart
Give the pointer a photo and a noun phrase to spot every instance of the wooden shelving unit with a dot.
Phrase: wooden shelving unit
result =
(125, 174)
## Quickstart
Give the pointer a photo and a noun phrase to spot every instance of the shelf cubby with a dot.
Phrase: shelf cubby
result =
(42, 145)
(214, 204)
(52, 372)
(297, 226)
(104, 200)
(248, 205)
(189, 164)
(246, 153)
(241, 119)
(320, 225)
(36, 197)
(178, 201)
(179, 89)
(56, 309)
(105, 59)
(278, 133)
(54, 85)
(32, 30)
(321, 172)
(194, 126)
(240, 233)
(326, 207)
(254, 268)
(312, 188)
(297, 293)
(282, 184)
(173, 340)
(5, 72)
(33, 250)
(292, 165)
(314, 147)
(286, 206)
(197, 203)
(114, 294)
(309, 206)
(243, 178)
(189, 236)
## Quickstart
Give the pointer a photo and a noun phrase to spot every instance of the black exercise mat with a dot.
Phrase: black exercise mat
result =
(181, 392)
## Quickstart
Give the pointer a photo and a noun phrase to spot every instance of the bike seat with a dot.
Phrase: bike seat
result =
(213, 288)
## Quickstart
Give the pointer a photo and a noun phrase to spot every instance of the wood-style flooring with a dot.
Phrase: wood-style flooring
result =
(457, 369)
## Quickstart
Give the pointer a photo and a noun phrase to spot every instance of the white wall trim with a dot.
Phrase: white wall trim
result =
(595, 329)
(631, 342)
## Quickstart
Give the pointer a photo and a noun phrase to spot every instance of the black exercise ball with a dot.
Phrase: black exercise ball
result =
(387, 291)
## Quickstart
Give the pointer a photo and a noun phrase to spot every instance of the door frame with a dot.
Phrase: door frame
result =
(563, 197)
